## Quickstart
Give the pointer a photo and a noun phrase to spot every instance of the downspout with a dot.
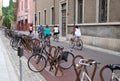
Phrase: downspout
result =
(54, 12)
(74, 12)
(35, 16)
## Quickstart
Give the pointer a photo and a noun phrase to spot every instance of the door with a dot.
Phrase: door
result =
(63, 19)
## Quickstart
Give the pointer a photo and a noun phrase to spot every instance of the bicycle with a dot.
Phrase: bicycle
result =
(113, 68)
(16, 42)
(81, 67)
(47, 40)
(22, 40)
(56, 37)
(40, 36)
(41, 57)
(76, 42)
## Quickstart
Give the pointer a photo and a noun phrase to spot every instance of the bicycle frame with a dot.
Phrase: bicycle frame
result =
(84, 73)
(82, 67)
(115, 76)
(87, 76)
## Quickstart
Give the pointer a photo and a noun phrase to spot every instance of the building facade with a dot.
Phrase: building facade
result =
(25, 14)
(1, 12)
(99, 20)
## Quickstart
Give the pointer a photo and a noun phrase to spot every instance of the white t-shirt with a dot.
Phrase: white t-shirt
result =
(77, 32)
(56, 29)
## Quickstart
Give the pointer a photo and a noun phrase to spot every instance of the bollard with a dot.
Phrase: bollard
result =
(20, 54)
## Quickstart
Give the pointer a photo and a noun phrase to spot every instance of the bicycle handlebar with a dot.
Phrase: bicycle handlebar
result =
(84, 62)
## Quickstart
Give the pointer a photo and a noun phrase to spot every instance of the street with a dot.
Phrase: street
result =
(69, 75)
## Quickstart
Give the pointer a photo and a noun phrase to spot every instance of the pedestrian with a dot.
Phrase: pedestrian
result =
(30, 28)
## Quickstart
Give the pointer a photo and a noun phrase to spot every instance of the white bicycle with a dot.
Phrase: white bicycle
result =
(81, 68)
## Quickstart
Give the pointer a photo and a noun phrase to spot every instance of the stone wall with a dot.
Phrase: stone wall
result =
(104, 36)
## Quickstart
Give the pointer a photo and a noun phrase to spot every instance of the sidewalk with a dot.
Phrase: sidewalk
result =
(9, 64)
(7, 72)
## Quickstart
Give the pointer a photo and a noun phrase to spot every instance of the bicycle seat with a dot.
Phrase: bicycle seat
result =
(114, 67)
(60, 47)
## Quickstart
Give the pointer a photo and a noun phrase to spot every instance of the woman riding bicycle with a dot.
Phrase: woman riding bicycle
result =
(56, 33)
(40, 32)
(47, 33)
(76, 33)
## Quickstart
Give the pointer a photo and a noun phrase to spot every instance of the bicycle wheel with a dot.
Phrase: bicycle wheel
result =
(37, 63)
(80, 44)
(71, 44)
(14, 44)
(66, 61)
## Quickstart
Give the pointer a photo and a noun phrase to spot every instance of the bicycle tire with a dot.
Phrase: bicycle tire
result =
(71, 44)
(66, 62)
(11, 40)
(80, 42)
(37, 63)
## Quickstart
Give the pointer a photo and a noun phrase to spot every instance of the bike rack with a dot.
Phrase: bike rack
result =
(78, 71)
(75, 68)
(101, 72)
(54, 61)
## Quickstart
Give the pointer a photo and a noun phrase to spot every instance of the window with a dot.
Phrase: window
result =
(103, 10)
(44, 16)
(53, 15)
(80, 11)
(39, 18)
(26, 4)
(22, 5)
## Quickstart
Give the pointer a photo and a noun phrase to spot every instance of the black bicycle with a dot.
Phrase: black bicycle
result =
(114, 68)
(38, 61)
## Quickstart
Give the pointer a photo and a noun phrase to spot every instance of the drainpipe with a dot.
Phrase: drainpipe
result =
(54, 12)
(35, 16)
(74, 12)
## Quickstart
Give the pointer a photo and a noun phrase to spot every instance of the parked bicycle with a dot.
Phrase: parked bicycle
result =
(22, 40)
(77, 42)
(40, 58)
(114, 68)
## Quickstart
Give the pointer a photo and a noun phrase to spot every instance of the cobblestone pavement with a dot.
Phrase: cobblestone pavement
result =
(26, 73)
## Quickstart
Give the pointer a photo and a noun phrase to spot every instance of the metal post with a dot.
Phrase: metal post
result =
(20, 62)
(20, 54)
